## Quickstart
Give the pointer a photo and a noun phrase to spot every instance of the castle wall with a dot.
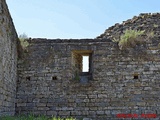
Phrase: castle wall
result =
(8, 62)
(49, 74)
(148, 22)
(122, 81)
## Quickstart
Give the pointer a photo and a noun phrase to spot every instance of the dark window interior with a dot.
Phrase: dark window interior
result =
(28, 78)
(54, 78)
(135, 76)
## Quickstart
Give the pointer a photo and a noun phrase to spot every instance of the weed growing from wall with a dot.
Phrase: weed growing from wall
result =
(130, 38)
(23, 40)
(134, 42)
(22, 45)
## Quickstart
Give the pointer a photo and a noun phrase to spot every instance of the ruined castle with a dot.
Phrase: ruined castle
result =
(47, 77)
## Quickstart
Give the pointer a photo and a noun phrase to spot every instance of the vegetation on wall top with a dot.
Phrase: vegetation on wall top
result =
(22, 45)
(131, 38)
(146, 21)
(23, 41)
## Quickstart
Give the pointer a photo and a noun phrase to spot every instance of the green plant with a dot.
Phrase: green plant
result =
(32, 117)
(155, 25)
(130, 38)
(42, 118)
(24, 117)
(22, 46)
(7, 118)
(150, 34)
(77, 77)
(55, 118)
(70, 118)
(75, 71)
(23, 40)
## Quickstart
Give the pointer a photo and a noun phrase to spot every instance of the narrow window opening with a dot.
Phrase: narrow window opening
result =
(54, 78)
(82, 65)
(85, 63)
(135, 76)
(28, 78)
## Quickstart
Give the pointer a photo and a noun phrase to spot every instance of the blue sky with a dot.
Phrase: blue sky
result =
(74, 18)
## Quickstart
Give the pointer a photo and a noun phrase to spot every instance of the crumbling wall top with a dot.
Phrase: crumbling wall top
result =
(145, 21)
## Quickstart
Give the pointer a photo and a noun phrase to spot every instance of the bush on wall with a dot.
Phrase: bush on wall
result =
(22, 39)
(131, 38)
(22, 45)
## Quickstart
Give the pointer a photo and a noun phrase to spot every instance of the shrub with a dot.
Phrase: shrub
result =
(130, 38)
(22, 45)
(23, 41)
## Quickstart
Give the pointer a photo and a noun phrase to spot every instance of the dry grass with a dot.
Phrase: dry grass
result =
(131, 38)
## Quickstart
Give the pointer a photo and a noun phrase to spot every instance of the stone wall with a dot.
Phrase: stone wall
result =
(122, 81)
(8, 61)
(145, 21)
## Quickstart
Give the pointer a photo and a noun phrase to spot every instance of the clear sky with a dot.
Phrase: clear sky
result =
(74, 18)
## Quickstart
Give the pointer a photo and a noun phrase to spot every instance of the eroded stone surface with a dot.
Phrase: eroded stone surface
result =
(8, 62)
(111, 90)
(119, 81)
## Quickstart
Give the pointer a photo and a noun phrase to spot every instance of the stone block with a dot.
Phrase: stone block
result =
(75, 113)
(21, 104)
(87, 119)
(52, 113)
(40, 104)
(100, 112)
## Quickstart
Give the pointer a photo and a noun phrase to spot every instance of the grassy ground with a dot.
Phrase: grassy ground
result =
(32, 117)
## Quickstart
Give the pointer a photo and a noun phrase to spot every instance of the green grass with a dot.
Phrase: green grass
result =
(62, 118)
(32, 117)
